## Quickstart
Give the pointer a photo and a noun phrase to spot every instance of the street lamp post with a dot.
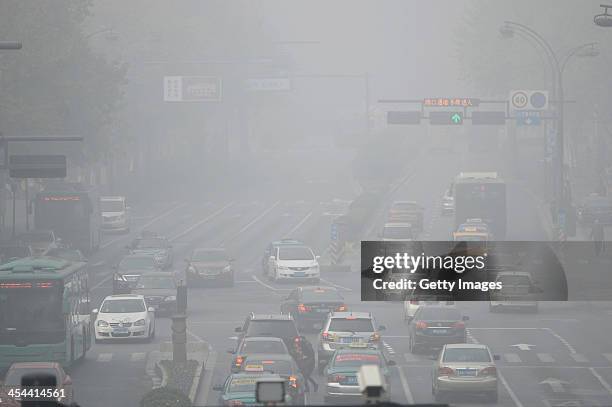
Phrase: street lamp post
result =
(604, 19)
(557, 68)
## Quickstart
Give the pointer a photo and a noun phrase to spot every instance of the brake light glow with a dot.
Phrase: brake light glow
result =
(46, 284)
(489, 371)
(459, 325)
(239, 361)
(235, 403)
(15, 285)
(325, 336)
(342, 307)
(414, 302)
(293, 382)
(445, 371)
(350, 317)
(335, 378)
(375, 337)
(304, 308)
(421, 325)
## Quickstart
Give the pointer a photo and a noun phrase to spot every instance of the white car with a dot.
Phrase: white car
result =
(293, 263)
(115, 214)
(124, 316)
(397, 231)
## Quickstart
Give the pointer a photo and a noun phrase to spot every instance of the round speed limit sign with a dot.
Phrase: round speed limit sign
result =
(519, 100)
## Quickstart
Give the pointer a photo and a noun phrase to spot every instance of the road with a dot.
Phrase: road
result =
(568, 358)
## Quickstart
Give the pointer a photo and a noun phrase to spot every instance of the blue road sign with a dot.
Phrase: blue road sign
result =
(334, 231)
(528, 118)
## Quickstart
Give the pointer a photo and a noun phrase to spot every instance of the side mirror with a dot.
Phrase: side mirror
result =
(382, 327)
(67, 381)
(95, 311)
(317, 257)
(238, 329)
(218, 387)
(391, 363)
(496, 357)
(465, 318)
(151, 309)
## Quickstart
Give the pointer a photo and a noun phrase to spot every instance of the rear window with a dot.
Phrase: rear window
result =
(281, 367)
(278, 329)
(295, 253)
(351, 325)
(273, 347)
(476, 355)
(321, 295)
(356, 359)
(13, 377)
(438, 313)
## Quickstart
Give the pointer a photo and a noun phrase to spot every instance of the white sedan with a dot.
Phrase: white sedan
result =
(124, 316)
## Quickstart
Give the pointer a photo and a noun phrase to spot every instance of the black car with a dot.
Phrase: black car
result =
(434, 327)
(159, 290)
(208, 265)
(276, 325)
(309, 306)
(129, 270)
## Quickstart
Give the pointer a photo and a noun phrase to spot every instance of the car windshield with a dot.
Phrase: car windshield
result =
(14, 376)
(243, 384)
(155, 282)
(209, 255)
(351, 325)
(150, 243)
(122, 306)
(112, 206)
(397, 232)
(270, 347)
(514, 280)
(295, 253)
(356, 359)
(281, 367)
(321, 295)
(439, 314)
(468, 355)
(137, 263)
(279, 329)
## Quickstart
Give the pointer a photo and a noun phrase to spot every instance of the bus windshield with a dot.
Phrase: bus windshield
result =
(30, 314)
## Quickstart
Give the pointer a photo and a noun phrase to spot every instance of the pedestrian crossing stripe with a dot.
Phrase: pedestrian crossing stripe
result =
(545, 357)
(133, 357)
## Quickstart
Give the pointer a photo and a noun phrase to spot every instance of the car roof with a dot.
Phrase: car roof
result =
(35, 365)
(112, 198)
(351, 314)
(279, 317)
(398, 225)
(136, 255)
(157, 274)
(466, 346)
(124, 297)
(287, 242)
(370, 351)
(209, 249)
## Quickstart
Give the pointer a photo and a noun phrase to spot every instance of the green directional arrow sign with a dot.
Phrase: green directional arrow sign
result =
(456, 118)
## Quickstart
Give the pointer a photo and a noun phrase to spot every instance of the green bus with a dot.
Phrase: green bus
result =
(44, 311)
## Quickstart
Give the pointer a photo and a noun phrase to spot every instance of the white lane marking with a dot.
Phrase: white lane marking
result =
(274, 289)
(104, 357)
(245, 282)
(300, 223)
(504, 382)
(578, 357)
(97, 264)
(545, 357)
(512, 358)
(336, 285)
(603, 382)
(146, 225)
(201, 222)
(137, 356)
(470, 338)
(608, 356)
(389, 348)
(196, 337)
(251, 223)
(561, 339)
(208, 373)
(405, 386)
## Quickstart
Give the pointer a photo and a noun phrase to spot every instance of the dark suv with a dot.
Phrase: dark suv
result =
(275, 325)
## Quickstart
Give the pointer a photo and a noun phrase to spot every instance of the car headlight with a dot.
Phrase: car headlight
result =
(283, 268)
(102, 323)
(170, 298)
(226, 268)
(140, 322)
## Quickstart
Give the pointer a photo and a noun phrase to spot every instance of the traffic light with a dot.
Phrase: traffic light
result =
(446, 118)
(488, 118)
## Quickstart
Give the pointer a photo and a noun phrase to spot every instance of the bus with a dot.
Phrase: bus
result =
(481, 195)
(72, 211)
(44, 311)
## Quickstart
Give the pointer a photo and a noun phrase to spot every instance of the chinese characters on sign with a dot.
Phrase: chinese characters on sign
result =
(192, 89)
(450, 102)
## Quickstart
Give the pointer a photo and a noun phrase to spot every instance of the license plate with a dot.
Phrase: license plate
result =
(349, 340)
(466, 372)
(299, 274)
(322, 310)
(352, 380)
(439, 331)
(120, 330)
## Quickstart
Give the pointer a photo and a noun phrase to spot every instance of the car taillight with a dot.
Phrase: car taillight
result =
(375, 337)
(325, 336)
(421, 325)
(304, 308)
(239, 361)
(293, 382)
(414, 302)
(235, 403)
(342, 308)
(459, 325)
(445, 371)
(489, 371)
(335, 378)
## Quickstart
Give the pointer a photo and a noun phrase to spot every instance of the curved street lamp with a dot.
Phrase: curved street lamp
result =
(604, 19)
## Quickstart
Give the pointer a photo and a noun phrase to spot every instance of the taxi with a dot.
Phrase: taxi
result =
(240, 389)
